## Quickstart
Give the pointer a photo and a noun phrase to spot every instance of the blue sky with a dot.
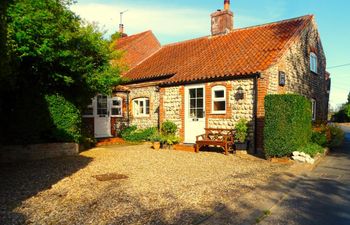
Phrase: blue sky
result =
(178, 20)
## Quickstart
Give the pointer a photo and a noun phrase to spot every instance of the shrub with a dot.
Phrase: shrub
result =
(337, 136)
(169, 139)
(169, 128)
(65, 117)
(287, 124)
(312, 149)
(319, 137)
(241, 130)
(134, 135)
(155, 137)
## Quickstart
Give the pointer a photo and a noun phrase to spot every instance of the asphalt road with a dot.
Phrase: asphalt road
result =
(320, 198)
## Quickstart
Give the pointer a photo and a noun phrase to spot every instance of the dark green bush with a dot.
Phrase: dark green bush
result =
(319, 137)
(65, 117)
(134, 135)
(312, 149)
(287, 124)
(169, 128)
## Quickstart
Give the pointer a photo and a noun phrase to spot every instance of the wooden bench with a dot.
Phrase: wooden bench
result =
(216, 137)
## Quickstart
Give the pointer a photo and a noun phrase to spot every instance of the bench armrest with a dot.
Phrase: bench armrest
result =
(202, 136)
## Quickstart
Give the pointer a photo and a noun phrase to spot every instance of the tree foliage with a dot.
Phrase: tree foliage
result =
(57, 51)
(50, 51)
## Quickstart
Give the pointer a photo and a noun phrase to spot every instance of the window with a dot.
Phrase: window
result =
(313, 62)
(116, 107)
(313, 109)
(141, 107)
(196, 103)
(102, 106)
(89, 110)
(218, 100)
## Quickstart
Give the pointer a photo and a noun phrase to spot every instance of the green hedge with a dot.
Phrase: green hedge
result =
(287, 124)
(65, 118)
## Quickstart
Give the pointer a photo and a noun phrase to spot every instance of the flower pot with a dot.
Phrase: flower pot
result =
(241, 146)
(156, 145)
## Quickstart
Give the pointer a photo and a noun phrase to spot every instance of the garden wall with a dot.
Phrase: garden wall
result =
(17, 153)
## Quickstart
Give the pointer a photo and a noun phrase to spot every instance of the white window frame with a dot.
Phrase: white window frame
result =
(117, 107)
(136, 107)
(313, 109)
(218, 99)
(93, 110)
(313, 62)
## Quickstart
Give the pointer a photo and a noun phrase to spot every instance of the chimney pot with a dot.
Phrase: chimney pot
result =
(227, 5)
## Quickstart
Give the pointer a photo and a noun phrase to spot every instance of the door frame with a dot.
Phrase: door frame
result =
(187, 108)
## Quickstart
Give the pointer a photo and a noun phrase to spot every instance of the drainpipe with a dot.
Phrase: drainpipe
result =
(127, 107)
(255, 111)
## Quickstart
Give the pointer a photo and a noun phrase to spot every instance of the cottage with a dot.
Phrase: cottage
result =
(213, 81)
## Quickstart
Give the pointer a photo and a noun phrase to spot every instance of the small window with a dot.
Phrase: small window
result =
(89, 110)
(116, 107)
(313, 109)
(218, 100)
(313, 62)
(141, 107)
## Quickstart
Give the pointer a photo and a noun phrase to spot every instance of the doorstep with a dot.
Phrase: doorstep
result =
(185, 147)
(109, 141)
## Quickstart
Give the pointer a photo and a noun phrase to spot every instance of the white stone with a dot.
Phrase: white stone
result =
(298, 158)
(302, 154)
(296, 153)
(311, 160)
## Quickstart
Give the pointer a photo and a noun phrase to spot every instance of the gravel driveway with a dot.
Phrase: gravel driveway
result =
(151, 187)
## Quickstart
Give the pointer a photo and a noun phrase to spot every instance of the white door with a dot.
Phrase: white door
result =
(194, 112)
(102, 116)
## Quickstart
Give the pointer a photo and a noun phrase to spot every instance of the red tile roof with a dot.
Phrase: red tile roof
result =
(138, 47)
(240, 52)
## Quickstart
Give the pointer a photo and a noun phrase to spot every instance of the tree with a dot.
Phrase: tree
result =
(57, 51)
(348, 98)
(52, 52)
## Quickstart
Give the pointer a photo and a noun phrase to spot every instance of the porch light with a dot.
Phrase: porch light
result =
(240, 93)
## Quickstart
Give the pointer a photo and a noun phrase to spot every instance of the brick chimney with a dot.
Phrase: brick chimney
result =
(222, 20)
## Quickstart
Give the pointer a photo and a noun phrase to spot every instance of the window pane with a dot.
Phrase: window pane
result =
(192, 93)
(200, 103)
(219, 94)
(116, 102)
(147, 110)
(220, 106)
(193, 103)
(199, 92)
(116, 112)
(200, 113)
(147, 103)
(193, 113)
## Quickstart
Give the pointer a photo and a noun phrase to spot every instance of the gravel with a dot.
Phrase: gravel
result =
(138, 185)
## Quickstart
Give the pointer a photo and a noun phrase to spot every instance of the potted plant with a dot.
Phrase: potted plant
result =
(167, 141)
(155, 139)
(241, 133)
